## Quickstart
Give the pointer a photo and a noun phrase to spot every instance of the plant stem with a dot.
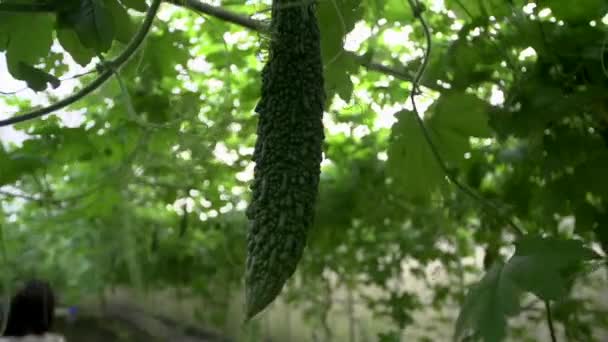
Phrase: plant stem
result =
(550, 321)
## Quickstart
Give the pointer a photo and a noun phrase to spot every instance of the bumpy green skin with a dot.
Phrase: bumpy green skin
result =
(287, 154)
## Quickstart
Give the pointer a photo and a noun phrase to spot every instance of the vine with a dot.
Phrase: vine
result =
(417, 10)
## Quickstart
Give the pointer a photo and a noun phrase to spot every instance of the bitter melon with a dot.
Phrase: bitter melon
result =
(287, 154)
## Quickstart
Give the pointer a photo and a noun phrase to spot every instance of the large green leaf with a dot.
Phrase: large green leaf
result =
(471, 61)
(337, 76)
(591, 174)
(463, 113)
(336, 19)
(456, 117)
(68, 38)
(93, 23)
(37, 79)
(398, 11)
(411, 163)
(5, 30)
(163, 54)
(30, 39)
(123, 25)
(583, 11)
(15, 165)
(543, 265)
(483, 316)
(3, 41)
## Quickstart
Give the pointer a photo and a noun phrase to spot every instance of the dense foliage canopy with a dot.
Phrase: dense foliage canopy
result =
(143, 179)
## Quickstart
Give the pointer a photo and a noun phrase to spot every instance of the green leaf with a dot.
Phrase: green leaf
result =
(103, 203)
(539, 265)
(591, 174)
(393, 336)
(31, 37)
(123, 25)
(93, 24)
(65, 5)
(70, 42)
(470, 62)
(462, 113)
(37, 79)
(3, 41)
(455, 117)
(4, 31)
(582, 11)
(163, 54)
(483, 316)
(336, 19)
(138, 5)
(542, 265)
(398, 11)
(410, 161)
(30, 40)
(337, 76)
(16, 164)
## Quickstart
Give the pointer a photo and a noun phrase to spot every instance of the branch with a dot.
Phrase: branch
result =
(259, 26)
(104, 76)
(220, 13)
